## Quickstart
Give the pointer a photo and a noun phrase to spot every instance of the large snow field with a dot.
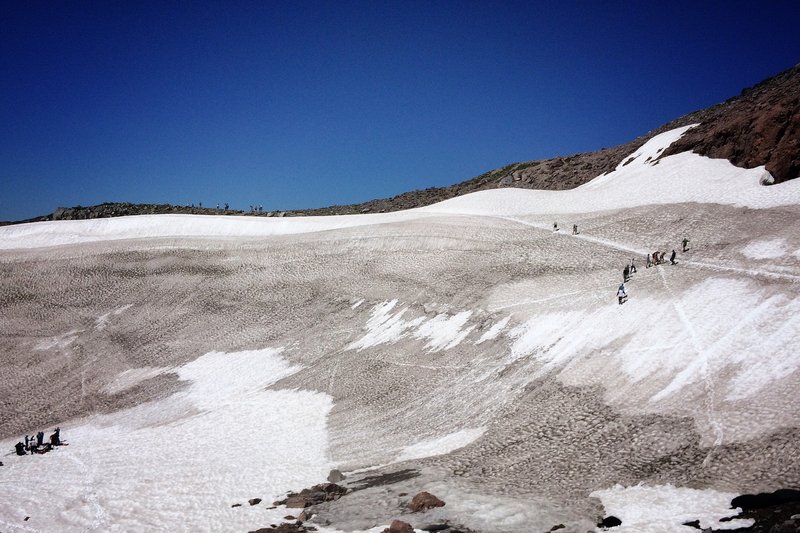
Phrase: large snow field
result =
(196, 362)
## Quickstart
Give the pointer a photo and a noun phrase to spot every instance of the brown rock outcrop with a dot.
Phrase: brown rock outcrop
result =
(759, 127)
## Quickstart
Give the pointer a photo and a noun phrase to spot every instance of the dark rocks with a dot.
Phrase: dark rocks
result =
(236, 505)
(694, 523)
(424, 501)
(557, 527)
(324, 492)
(254, 501)
(610, 521)
(772, 512)
(398, 526)
(286, 527)
(385, 479)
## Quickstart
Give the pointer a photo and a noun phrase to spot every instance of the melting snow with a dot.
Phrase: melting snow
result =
(664, 508)
(441, 445)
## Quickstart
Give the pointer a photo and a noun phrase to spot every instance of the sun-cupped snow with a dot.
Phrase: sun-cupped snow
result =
(641, 179)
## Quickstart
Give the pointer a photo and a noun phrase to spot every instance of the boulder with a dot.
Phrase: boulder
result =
(398, 526)
(610, 521)
(424, 501)
(254, 501)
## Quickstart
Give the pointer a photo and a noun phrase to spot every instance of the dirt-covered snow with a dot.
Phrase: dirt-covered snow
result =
(193, 363)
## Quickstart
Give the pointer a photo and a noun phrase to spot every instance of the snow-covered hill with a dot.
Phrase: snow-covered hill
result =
(196, 362)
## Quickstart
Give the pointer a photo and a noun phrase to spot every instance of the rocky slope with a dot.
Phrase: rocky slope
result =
(761, 126)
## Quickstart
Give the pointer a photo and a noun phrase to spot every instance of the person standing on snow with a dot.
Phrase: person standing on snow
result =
(621, 294)
(672, 258)
(626, 272)
(633, 265)
(649, 262)
(685, 243)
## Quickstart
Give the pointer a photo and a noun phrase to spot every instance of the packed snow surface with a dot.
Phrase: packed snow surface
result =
(464, 343)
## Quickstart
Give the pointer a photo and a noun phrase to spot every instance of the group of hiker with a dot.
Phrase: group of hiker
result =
(656, 258)
(35, 443)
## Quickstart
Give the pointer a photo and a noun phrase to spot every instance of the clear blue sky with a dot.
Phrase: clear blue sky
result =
(308, 104)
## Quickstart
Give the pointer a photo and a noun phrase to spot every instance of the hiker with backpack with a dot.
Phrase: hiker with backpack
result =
(621, 294)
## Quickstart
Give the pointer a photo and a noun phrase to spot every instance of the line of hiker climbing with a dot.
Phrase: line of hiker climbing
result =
(656, 258)
(35, 444)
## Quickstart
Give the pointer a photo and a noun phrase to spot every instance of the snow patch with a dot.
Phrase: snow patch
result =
(771, 249)
(664, 508)
(441, 445)
(494, 331)
(188, 458)
(444, 331)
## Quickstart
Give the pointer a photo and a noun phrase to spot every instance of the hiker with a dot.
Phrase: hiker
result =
(39, 438)
(574, 229)
(621, 294)
(655, 257)
(633, 266)
(672, 257)
(555, 226)
(20, 448)
(27, 442)
(626, 273)
(55, 438)
(685, 242)
(649, 262)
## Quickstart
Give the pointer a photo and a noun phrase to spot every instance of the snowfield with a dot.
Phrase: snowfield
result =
(464, 348)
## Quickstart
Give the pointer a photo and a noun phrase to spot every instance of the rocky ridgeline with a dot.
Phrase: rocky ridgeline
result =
(761, 126)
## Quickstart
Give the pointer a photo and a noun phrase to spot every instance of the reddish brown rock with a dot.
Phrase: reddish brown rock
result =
(424, 501)
(759, 127)
(398, 526)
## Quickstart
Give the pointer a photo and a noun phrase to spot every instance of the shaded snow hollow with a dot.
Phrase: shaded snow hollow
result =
(232, 432)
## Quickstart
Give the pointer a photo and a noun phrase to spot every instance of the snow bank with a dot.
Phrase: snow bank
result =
(639, 180)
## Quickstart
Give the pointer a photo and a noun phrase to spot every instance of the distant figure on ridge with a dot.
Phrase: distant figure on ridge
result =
(621, 294)
(685, 243)
(672, 258)
(574, 229)
(555, 226)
